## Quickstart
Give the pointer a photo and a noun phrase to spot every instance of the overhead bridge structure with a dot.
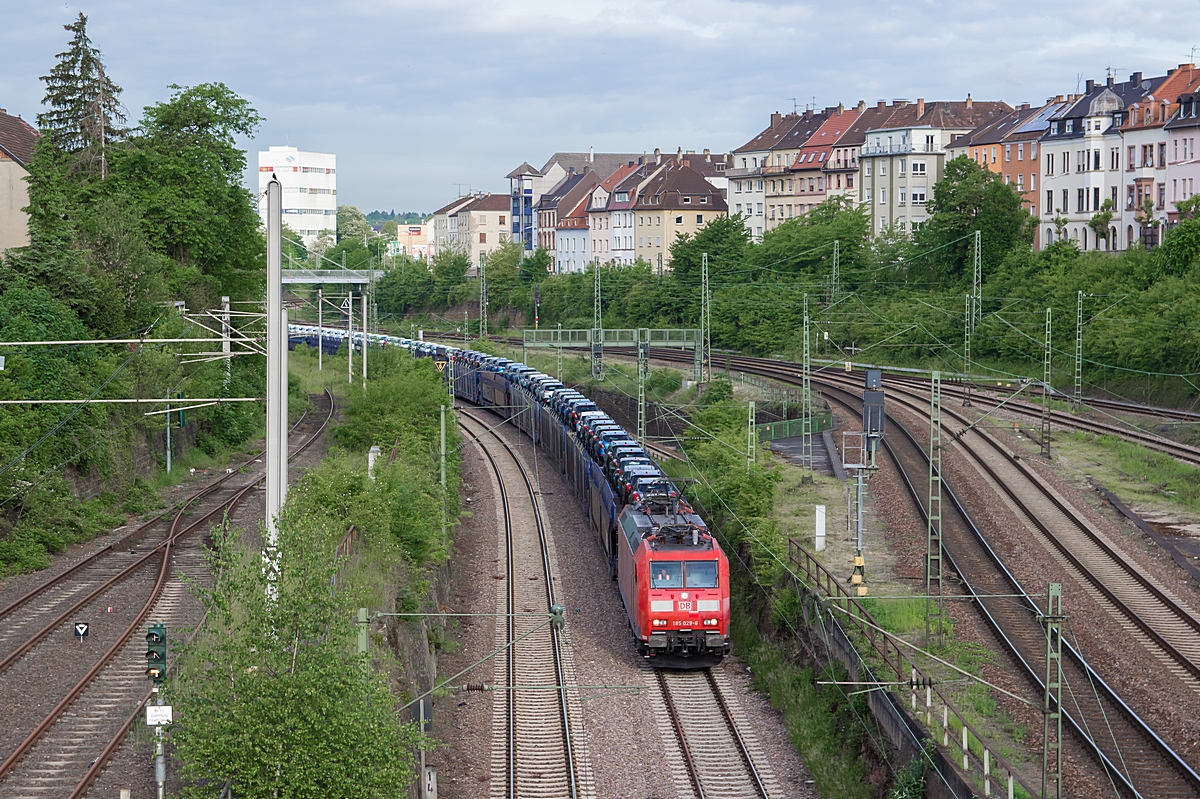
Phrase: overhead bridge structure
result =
(314, 277)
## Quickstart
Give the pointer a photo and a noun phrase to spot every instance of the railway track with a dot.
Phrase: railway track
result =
(1136, 760)
(1133, 755)
(536, 731)
(86, 700)
(718, 760)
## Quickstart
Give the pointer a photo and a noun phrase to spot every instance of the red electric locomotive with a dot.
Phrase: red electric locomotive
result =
(674, 580)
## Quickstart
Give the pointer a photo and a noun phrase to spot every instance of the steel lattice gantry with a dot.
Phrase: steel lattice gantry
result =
(555, 339)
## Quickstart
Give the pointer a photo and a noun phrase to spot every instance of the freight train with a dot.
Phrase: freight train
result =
(671, 573)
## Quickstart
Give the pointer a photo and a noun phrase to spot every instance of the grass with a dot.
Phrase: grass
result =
(822, 722)
(1157, 471)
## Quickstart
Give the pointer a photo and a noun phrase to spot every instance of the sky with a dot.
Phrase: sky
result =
(422, 100)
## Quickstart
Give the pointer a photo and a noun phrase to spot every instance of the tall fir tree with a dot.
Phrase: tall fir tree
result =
(84, 115)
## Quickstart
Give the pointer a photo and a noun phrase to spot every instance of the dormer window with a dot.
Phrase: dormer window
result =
(703, 200)
(1070, 126)
(1053, 128)
(687, 200)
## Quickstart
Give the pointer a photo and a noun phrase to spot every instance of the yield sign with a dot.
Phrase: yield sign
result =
(81, 629)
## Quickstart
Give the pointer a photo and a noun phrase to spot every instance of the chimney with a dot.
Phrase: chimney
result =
(861, 107)
(881, 104)
(776, 118)
(679, 155)
(840, 109)
(591, 155)
(1089, 85)
(970, 102)
(920, 107)
(657, 156)
(1135, 78)
(707, 157)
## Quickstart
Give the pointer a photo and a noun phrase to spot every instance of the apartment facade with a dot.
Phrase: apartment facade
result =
(1083, 163)
(901, 161)
(807, 181)
(1183, 165)
(674, 201)
(599, 215)
(747, 190)
(527, 185)
(482, 226)
(440, 236)
(309, 182)
(17, 140)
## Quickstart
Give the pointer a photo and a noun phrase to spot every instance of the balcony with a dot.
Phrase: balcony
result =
(777, 169)
(898, 149)
(748, 172)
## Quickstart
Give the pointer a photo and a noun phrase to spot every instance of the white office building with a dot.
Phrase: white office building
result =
(309, 183)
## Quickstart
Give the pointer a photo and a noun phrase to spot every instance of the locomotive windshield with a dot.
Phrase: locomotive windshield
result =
(671, 574)
(666, 574)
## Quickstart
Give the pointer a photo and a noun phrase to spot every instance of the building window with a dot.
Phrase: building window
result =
(1129, 199)
(902, 195)
(688, 200)
(903, 165)
(1008, 152)
(700, 219)
(658, 241)
(739, 208)
(1066, 207)
(918, 167)
(1033, 181)
(1070, 126)
(1162, 195)
(882, 196)
(918, 196)
(679, 219)
(1049, 201)
(867, 168)
(928, 144)
(1079, 196)
(1131, 159)
(483, 238)
(849, 181)
(882, 169)
(760, 211)
(1020, 182)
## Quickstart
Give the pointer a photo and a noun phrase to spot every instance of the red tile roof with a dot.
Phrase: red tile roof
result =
(17, 138)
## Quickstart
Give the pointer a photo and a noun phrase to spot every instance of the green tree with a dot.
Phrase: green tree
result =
(352, 224)
(1101, 219)
(449, 272)
(535, 266)
(388, 229)
(83, 114)
(1180, 250)
(970, 197)
(184, 169)
(271, 696)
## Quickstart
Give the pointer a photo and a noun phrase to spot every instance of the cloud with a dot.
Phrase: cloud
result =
(416, 97)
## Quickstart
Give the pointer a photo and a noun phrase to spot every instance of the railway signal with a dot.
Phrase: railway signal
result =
(81, 630)
(156, 653)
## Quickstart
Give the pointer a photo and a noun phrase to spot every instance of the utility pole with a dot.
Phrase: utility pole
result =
(350, 338)
(835, 278)
(443, 465)
(643, 350)
(560, 348)
(750, 437)
(1046, 390)
(366, 326)
(320, 330)
(977, 284)
(168, 415)
(1052, 702)
(1078, 397)
(967, 351)
(276, 378)
(225, 333)
(597, 325)
(806, 426)
(705, 322)
(483, 299)
(934, 608)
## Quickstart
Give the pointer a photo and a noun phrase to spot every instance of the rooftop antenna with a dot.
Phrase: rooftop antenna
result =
(459, 185)
(793, 99)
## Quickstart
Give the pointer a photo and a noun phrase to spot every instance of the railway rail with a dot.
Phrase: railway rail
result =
(717, 758)
(1136, 759)
(538, 728)
(81, 731)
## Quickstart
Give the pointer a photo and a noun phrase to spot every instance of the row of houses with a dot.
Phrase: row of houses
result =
(1123, 150)
(1120, 148)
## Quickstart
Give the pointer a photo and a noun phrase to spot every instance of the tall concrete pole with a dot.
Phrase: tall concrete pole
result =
(276, 349)
(365, 328)
(225, 336)
(320, 330)
(283, 413)
(350, 338)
